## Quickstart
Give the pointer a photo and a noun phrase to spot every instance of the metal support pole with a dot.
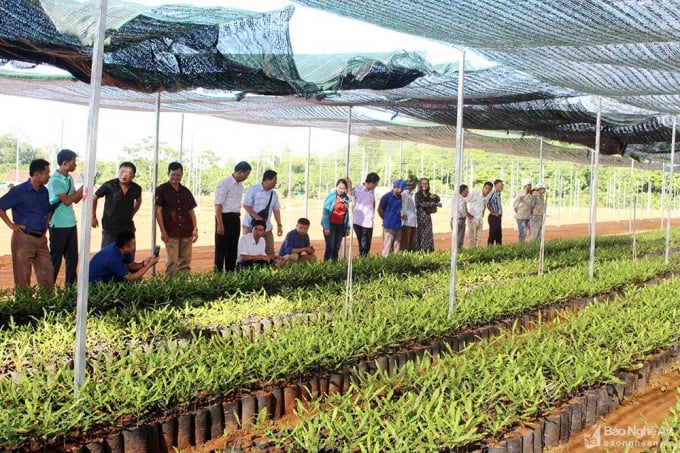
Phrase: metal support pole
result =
(154, 177)
(663, 188)
(632, 195)
(181, 139)
(457, 178)
(541, 252)
(348, 286)
(86, 211)
(309, 152)
(16, 165)
(540, 160)
(593, 187)
(670, 193)
(401, 158)
(634, 227)
(289, 194)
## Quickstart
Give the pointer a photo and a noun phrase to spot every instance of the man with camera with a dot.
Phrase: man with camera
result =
(259, 202)
(116, 262)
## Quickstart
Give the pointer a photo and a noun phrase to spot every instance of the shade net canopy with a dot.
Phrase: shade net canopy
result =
(551, 63)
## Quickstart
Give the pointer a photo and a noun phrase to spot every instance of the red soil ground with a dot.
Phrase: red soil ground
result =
(203, 256)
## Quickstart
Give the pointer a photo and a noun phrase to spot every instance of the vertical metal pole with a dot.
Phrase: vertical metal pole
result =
(16, 168)
(309, 154)
(181, 139)
(457, 178)
(649, 193)
(319, 191)
(290, 187)
(154, 180)
(670, 193)
(593, 187)
(634, 227)
(348, 286)
(663, 188)
(401, 158)
(632, 195)
(541, 252)
(540, 160)
(559, 195)
(86, 211)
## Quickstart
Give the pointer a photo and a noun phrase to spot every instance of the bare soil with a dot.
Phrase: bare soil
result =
(632, 427)
(203, 255)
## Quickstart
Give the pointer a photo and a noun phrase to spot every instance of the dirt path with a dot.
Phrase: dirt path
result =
(203, 256)
(633, 426)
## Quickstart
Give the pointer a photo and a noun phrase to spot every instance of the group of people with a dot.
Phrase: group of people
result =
(46, 202)
(256, 245)
(529, 207)
(405, 215)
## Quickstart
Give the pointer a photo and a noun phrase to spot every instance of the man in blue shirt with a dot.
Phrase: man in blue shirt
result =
(389, 209)
(297, 247)
(30, 205)
(115, 262)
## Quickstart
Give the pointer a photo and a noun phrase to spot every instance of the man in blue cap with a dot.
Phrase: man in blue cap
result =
(389, 209)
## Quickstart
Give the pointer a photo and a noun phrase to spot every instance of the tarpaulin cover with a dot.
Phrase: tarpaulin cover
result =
(553, 60)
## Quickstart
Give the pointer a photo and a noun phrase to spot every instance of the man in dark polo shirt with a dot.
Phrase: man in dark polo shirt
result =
(177, 220)
(115, 262)
(123, 199)
(30, 205)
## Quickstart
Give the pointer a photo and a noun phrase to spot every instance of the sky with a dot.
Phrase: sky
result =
(51, 123)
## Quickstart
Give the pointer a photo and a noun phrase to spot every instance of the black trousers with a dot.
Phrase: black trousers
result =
(495, 230)
(226, 245)
(64, 243)
(364, 237)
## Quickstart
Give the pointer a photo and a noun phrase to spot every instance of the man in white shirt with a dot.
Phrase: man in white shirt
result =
(228, 195)
(461, 214)
(364, 212)
(251, 247)
(476, 204)
(259, 198)
(408, 209)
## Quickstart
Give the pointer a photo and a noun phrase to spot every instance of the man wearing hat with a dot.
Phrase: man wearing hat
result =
(522, 206)
(537, 211)
(390, 210)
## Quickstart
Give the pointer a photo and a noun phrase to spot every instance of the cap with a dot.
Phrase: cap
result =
(400, 183)
(526, 182)
(540, 185)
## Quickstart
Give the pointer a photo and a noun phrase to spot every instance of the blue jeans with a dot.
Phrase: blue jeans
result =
(333, 242)
(522, 226)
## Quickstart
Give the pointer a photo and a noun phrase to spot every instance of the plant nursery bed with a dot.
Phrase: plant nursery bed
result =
(204, 427)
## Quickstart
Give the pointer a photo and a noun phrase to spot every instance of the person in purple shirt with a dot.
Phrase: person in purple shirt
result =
(296, 247)
(31, 211)
(115, 262)
(389, 209)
